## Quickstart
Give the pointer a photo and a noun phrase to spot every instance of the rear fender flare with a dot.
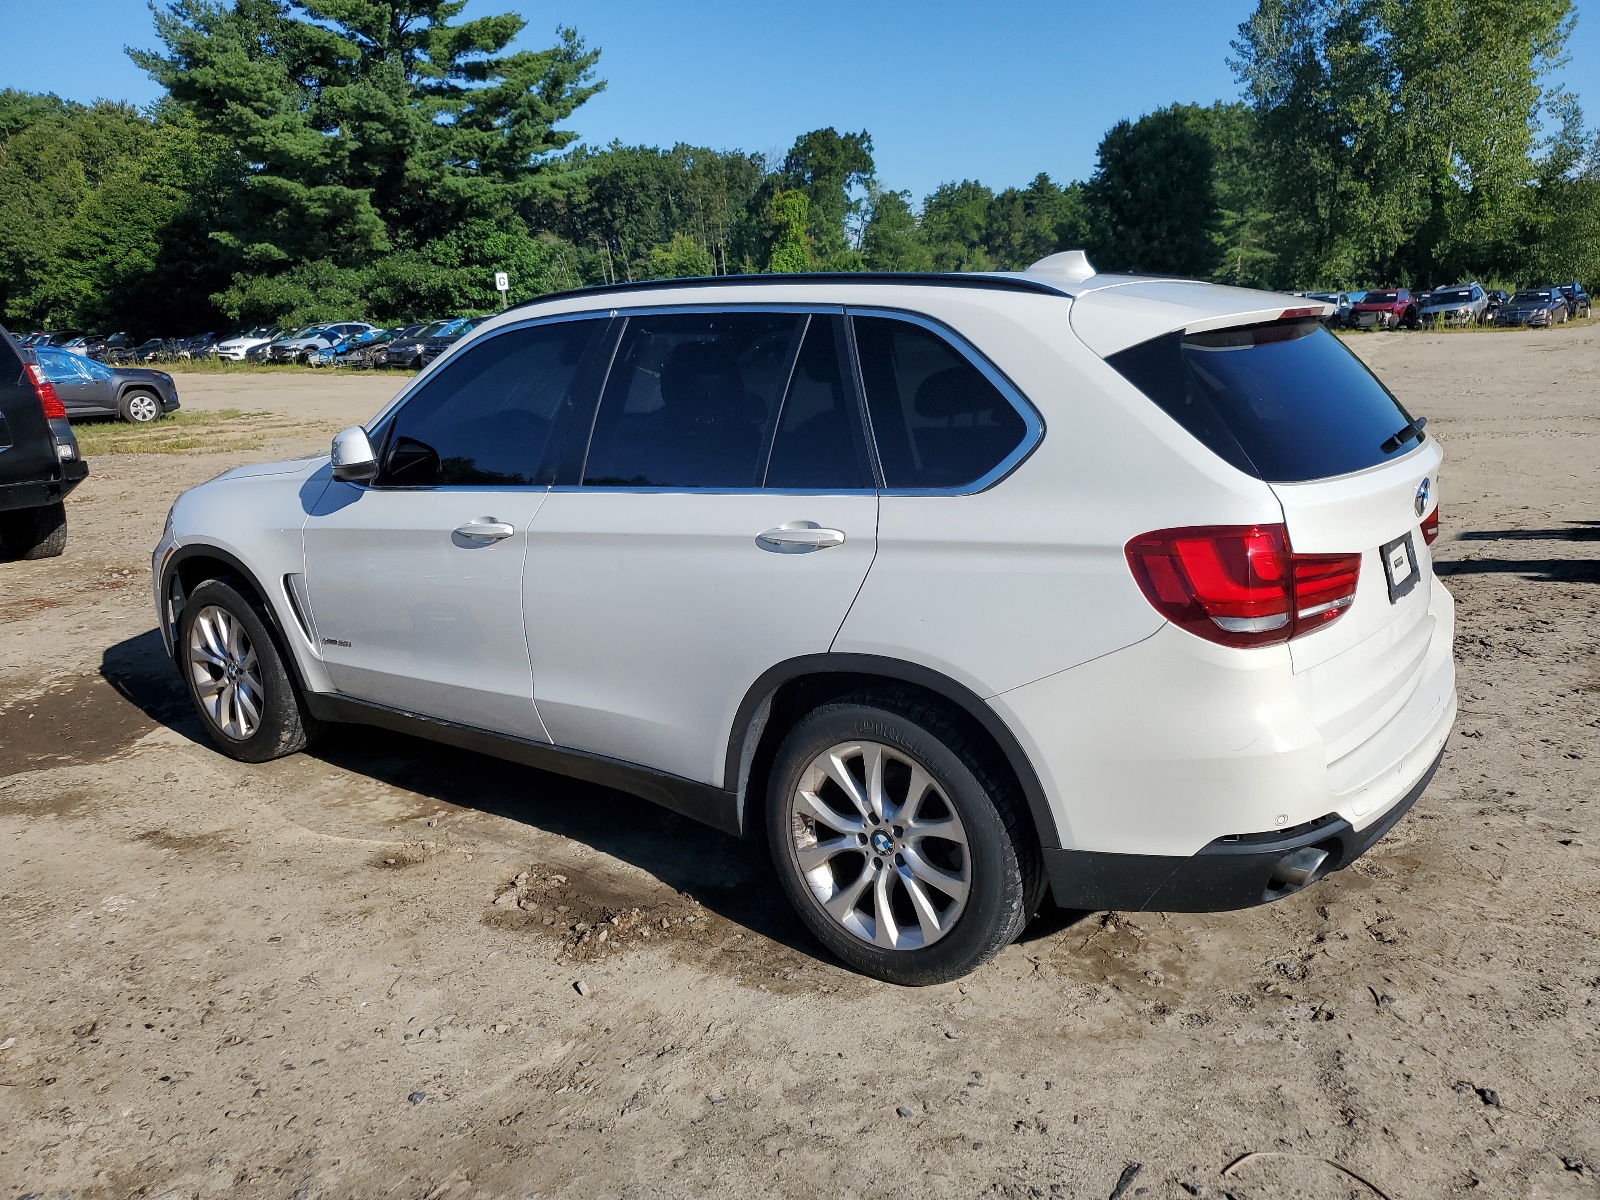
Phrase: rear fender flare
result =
(750, 724)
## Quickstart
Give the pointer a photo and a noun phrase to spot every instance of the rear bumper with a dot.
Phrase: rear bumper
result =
(34, 493)
(1231, 872)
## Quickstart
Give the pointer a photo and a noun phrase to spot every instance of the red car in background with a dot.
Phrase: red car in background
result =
(1382, 309)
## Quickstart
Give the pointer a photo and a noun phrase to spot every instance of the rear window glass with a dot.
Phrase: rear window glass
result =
(1285, 403)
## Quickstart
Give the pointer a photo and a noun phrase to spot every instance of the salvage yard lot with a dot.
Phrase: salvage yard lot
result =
(296, 979)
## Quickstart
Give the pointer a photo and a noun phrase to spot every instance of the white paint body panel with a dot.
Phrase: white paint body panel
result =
(410, 616)
(650, 614)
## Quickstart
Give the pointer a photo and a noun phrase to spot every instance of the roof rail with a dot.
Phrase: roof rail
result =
(1010, 283)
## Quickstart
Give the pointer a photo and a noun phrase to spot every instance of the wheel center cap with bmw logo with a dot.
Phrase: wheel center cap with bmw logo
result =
(882, 842)
(1421, 503)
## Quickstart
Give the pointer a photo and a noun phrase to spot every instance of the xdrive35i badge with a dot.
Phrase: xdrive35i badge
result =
(335, 642)
(1421, 502)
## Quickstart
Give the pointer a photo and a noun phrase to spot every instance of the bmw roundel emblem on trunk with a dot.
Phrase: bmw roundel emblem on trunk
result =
(1421, 504)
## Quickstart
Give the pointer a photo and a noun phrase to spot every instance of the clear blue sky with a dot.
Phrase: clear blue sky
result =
(948, 89)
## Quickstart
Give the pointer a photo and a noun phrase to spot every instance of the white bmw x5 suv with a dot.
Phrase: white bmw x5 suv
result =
(960, 589)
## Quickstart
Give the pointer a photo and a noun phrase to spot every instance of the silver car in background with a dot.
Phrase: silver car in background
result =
(1463, 304)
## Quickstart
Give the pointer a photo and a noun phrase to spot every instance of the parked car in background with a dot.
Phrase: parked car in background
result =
(406, 349)
(441, 342)
(1534, 307)
(299, 346)
(91, 389)
(59, 337)
(1464, 304)
(356, 350)
(1497, 300)
(154, 350)
(235, 346)
(1384, 309)
(1342, 303)
(905, 573)
(1577, 299)
(103, 346)
(39, 458)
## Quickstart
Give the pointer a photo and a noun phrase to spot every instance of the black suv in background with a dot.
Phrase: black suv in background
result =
(39, 459)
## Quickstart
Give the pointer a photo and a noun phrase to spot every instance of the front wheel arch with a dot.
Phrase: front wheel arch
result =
(191, 566)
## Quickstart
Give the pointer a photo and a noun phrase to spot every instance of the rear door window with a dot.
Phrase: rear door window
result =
(1286, 403)
(939, 421)
(489, 416)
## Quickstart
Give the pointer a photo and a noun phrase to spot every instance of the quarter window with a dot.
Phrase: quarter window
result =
(488, 416)
(937, 419)
(690, 400)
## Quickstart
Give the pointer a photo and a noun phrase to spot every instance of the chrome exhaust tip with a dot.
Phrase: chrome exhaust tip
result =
(1298, 869)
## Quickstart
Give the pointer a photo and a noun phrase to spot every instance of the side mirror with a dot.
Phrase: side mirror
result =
(353, 459)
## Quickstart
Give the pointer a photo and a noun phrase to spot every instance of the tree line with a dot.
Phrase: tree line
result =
(318, 159)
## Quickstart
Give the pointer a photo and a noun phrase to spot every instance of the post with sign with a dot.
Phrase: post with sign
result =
(502, 284)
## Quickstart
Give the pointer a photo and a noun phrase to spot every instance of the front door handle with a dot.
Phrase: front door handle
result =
(799, 537)
(480, 531)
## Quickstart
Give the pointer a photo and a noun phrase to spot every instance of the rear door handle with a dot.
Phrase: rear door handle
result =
(483, 530)
(799, 537)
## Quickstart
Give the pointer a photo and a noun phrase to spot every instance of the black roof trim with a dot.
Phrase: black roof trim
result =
(921, 278)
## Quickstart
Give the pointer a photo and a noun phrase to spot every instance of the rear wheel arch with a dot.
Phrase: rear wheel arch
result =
(786, 693)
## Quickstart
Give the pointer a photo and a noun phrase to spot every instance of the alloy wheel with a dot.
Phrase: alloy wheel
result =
(880, 846)
(142, 408)
(225, 672)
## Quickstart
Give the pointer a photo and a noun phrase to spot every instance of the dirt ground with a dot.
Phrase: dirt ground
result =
(319, 977)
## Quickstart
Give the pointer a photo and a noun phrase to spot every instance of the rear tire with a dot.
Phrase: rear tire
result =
(237, 678)
(32, 533)
(918, 878)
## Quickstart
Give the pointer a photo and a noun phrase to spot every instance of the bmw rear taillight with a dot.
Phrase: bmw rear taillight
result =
(1430, 526)
(1241, 585)
(45, 390)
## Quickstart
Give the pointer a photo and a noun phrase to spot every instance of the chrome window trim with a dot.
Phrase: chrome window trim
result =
(1032, 419)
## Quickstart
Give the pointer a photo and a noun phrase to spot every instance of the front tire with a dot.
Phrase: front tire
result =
(237, 678)
(139, 407)
(897, 840)
(33, 533)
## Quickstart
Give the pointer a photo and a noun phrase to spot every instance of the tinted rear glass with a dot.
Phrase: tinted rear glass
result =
(939, 423)
(1285, 403)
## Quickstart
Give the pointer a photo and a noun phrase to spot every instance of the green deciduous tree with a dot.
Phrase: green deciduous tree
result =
(833, 171)
(788, 219)
(1152, 201)
(1399, 139)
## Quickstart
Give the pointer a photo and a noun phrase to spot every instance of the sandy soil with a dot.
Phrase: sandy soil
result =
(295, 980)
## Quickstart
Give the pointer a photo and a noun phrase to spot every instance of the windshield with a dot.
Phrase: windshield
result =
(430, 330)
(1457, 296)
(1530, 297)
(1379, 298)
(1284, 402)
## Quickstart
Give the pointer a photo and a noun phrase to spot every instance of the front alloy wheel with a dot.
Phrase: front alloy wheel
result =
(879, 845)
(225, 671)
(237, 675)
